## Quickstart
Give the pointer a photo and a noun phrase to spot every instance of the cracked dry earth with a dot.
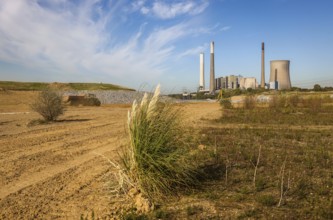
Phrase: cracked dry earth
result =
(60, 170)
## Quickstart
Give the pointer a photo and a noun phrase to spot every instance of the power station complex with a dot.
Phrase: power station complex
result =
(279, 75)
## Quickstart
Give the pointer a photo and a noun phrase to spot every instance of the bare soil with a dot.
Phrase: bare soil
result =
(59, 170)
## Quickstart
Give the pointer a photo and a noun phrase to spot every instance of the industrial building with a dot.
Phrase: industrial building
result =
(280, 75)
(228, 82)
(248, 83)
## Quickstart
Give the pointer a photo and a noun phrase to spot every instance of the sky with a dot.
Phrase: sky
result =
(142, 43)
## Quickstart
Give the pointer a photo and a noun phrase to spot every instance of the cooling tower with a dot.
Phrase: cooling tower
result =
(212, 71)
(280, 73)
(202, 72)
(262, 84)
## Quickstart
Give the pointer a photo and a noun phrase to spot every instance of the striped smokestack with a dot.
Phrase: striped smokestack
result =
(262, 84)
(212, 70)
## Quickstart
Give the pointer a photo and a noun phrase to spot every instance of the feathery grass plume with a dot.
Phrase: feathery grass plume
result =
(153, 102)
(144, 100)
(156, 158)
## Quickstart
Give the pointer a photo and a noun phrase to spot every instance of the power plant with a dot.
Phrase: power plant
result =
(280, 75)
(212, 70)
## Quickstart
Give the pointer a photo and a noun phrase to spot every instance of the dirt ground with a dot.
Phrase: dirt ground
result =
(60, 170)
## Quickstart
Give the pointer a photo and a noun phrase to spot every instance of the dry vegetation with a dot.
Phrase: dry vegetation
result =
(270, 161)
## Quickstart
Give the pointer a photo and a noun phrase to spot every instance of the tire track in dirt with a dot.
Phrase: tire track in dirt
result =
(45, 199)
(54, 153)
(65, 177)
(37, 162)
(32, 138)
(53, 142)
(28, 179)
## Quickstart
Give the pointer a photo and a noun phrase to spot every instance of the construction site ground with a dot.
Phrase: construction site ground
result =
(61, 170)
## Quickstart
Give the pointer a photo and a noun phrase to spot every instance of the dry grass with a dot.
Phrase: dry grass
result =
(156, 159)
(293, 179)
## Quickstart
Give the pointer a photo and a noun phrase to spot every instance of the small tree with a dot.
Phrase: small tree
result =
(49, 105)
(317, 87)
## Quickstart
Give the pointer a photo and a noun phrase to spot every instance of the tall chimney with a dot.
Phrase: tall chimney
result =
(212, 71)
(262, 84)
(202, 72)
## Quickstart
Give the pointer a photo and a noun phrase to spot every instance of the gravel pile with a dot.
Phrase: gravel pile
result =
(112, 97)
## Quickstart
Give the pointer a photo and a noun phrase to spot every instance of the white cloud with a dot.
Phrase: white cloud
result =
(137, 5)
(225, 28)
(72, 41)
(194, 51)
(165, 10)
(144, 10)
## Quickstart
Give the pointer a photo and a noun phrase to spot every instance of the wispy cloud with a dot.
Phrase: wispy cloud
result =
(165, 11)
(168, 10)
(72, 40)
(225, 28)
(194, 51)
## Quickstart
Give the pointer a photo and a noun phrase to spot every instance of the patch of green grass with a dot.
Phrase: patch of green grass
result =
(267, 200)
(250, 213)
(193, 210)
(27, 86)
(38, 86)
(96, 86)
(135, 216)
(162, 214)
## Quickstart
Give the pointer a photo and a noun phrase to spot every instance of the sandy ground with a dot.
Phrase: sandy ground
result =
(59, 170)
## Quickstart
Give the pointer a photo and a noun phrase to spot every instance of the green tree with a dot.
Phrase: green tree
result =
(317, 87)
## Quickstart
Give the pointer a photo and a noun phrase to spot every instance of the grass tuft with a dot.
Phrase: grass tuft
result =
(156, 159)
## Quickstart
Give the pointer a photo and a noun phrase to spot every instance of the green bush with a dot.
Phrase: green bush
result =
(156, 159)
(226, 103)
(49, 105)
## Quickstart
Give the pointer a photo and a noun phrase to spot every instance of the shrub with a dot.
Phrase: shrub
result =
(155, 160)
(249, 102)
(226, 103)
(277, 102)
(49, 105)
(293, 101)
(314, 104)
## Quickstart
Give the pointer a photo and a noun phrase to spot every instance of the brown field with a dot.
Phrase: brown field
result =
(59, 170)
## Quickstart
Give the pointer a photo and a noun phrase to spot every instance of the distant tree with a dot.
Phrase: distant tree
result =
(317, 87)
(328, 88)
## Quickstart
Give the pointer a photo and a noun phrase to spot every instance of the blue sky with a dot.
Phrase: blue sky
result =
(141, 43)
